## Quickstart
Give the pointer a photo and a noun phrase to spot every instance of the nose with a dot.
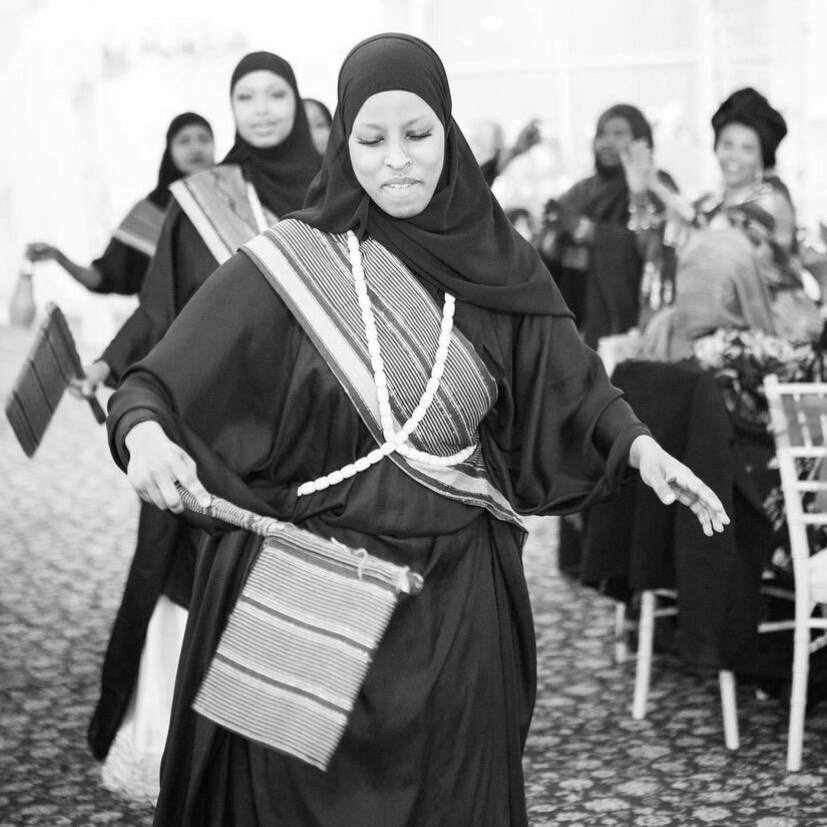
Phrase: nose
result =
(396, 158)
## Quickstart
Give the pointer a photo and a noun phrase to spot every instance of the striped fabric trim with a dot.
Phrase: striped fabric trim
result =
(295, 652)
(216, 202)
(310, 270)
(50, 366)
(141, 228)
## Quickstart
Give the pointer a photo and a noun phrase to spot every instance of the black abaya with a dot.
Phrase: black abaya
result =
(437, 732)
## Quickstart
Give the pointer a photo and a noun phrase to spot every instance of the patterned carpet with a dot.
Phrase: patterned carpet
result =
(67, 526)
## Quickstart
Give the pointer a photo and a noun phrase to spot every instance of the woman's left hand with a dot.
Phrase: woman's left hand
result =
(673, 481)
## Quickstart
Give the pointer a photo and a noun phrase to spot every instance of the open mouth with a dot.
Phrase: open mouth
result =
(400, 184)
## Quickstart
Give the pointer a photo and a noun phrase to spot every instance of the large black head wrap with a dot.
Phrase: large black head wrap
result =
(461, 242)
(168, 172)
(281, 173)
(750, 108)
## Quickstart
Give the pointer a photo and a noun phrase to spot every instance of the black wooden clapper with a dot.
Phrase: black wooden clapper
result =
(51, 366)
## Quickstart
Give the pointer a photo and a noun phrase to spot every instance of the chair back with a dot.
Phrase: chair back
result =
(798, 418)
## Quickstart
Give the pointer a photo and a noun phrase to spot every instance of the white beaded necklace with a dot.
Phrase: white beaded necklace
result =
(394, 440)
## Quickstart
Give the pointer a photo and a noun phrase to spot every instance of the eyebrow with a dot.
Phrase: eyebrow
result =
(407, 123)
(269, 87)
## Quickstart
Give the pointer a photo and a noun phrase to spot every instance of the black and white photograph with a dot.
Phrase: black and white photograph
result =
(415, 413)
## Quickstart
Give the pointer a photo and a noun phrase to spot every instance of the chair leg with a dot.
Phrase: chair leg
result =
(621, 650)
(729, 709)
(643, 670)
(798, 696)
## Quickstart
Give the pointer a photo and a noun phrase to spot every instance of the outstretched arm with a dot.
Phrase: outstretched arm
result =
(672, 481)
(89, 277)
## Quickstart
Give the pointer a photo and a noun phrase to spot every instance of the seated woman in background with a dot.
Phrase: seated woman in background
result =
(607, 232)
(737, 263)
(123, 265)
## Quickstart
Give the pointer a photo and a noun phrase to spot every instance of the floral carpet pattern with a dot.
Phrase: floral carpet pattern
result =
(66, 531)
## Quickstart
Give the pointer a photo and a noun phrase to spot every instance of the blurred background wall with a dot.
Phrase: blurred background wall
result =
(87, 89)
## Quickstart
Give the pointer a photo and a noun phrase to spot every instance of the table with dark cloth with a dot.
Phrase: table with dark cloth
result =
(633, 542)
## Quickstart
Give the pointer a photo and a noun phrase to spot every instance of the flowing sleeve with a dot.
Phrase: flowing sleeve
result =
(559, 435)
(133, 341)
(122, 269)
(180, 265)
(216, 382)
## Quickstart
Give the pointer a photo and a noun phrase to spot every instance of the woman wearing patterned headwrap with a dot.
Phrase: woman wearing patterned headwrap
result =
(264, 176)
(737, 266)
(324, 331)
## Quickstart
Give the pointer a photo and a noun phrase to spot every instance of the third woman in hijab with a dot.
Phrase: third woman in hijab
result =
(122, 266)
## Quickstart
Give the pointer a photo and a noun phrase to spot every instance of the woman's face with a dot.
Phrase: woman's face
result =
(264, 108)
(192, 149)
(738, 150)
(319, 127)
(613, 136)
(397, 148)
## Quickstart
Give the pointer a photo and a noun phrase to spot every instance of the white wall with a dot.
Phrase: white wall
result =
(87, 88)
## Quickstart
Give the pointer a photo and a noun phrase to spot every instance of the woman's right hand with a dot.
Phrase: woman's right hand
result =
(156, 464)
(96, 373)
(638, 166)
(41, 251)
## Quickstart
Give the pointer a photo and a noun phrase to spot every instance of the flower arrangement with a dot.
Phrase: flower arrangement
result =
(741, 359)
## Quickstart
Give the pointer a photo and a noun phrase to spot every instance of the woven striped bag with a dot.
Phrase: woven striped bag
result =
(300, 639)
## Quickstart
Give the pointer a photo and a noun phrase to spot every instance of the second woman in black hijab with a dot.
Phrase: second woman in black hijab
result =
(261, 405)
(265, 175)
(211, 214)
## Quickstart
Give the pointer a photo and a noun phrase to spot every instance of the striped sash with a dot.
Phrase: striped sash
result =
(310, 270)
(298, 643)
(216, 202)
(141, 228)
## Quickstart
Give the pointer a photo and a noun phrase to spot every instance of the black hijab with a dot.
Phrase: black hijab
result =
(281, 173)
(610, 199)
(168, 172)
(461, 242)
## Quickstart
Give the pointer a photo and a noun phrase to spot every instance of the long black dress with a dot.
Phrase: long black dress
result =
(165, 551)
(438, 728)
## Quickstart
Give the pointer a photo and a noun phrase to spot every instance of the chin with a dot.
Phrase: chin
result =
(261, 142)
(402, 211)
